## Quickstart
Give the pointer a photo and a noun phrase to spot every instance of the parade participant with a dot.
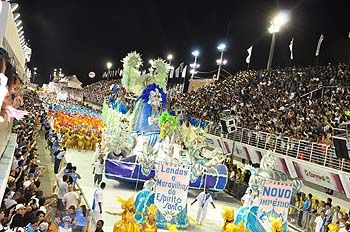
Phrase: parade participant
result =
(97, 153)
(276, 224)
(150, 184)
(141, 141)
(150, 222)
(247, 199)
(127, 223)
(203, 198)
(229, 216)
(320, 222)
(98, 171)
(98, 201)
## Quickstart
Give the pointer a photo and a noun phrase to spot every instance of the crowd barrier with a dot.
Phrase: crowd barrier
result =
(313, 152)
(5, 132)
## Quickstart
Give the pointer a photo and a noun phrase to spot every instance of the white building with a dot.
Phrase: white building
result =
(11, 40)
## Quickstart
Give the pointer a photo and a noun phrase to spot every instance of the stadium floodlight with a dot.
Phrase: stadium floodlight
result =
(275, 25)
(109, 65)
(281, 18)
(221, 47)
(195, 53)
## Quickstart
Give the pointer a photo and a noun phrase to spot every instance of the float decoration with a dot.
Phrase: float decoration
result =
(132, 81)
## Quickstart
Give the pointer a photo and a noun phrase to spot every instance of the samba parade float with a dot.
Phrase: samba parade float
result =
(143, 141)
(274, 190)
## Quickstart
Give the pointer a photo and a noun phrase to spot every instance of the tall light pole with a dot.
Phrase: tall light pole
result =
(221, 48)
(275, 25)
(194, 66)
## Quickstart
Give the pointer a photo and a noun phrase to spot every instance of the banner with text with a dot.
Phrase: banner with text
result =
(171, 189)
(274, 200)
(318, 175)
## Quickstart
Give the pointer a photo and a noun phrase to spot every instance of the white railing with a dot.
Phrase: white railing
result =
(5, 132)
(313, 152)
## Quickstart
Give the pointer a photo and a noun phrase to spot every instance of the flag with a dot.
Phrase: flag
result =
(181, 67)
(171, 74)
(177, 72)
(249, 50)
(319, 45)
(183, 75)
(291, 48)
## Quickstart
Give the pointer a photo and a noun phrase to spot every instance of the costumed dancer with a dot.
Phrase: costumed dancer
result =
(127, 223)
(235, 228)
(229, 216)
(276, 224)
(247, 199)
(141, 141)
(97, 153)
(204, 198)
(98, 201)
(150, 222)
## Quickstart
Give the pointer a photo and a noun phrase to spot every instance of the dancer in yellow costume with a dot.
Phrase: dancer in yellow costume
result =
(127, 223)
(276, 224)
(228, 215)
(333, 227)
(150, 223)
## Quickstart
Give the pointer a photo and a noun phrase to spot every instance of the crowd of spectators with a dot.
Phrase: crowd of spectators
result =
(24, 206)
(276, 101)
(312, 214)
(98, 91)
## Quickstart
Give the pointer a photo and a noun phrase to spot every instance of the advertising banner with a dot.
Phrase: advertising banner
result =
(318, 175)
(171, 189)
(274, 200)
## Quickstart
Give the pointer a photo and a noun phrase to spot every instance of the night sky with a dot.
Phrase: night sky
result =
(81, 36)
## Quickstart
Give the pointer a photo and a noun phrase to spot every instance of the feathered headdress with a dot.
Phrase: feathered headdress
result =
(333, 227)
(276, 224)
(152, 210)
(228, 213)
(126, 204)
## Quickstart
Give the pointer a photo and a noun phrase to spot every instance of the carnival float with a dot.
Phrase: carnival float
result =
(142, 137)
(147, 134)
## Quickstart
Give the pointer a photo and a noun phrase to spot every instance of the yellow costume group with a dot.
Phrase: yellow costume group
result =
(128, 224)
(79, 132)
(228, 215)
